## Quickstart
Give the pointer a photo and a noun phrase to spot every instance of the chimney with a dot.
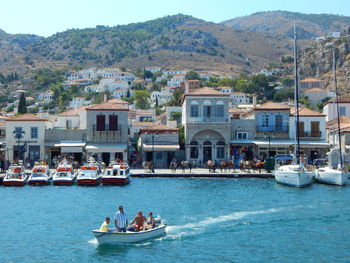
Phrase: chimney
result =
(254, 101)
(105, 97)
(187, 86)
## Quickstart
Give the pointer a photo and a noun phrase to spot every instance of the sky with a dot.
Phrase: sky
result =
(47, 17)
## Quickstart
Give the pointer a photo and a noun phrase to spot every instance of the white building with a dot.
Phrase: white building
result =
(46, 96)
(239, 98)
(95, 88)
(78, 102)
(168, 73)
(31, 144)
(316, 95)
(122, 93)
(72, 119)
(176, 80)
(153, 69)
(330, 109)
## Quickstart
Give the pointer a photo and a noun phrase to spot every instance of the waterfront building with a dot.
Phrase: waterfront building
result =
(159, 143)
(207, 125)
(107, 131)
(330, 109)
(31, 144)
(269, 130)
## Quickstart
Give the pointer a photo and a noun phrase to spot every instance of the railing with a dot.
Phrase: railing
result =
(283, 128)
(207, 119)
(105, 135)
(308, 134)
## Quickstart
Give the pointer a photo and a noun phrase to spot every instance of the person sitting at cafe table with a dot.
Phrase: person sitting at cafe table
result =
(139, 221)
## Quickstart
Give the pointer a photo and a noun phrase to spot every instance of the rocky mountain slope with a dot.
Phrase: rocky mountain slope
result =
(281, 23)
(178, 41)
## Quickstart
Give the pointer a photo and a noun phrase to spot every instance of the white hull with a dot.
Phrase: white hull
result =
(331, 176)
(128, 237)
(293, 175)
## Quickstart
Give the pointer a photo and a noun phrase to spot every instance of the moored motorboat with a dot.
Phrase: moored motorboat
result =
(329, 175)
(64, 175)
(15, 176)
(116, 174)
(129, 236)
(89, 174)
(40, 175)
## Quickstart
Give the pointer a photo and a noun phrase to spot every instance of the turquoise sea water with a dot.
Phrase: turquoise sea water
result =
(210, 220)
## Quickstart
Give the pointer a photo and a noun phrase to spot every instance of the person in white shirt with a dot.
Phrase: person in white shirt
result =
(120, 220)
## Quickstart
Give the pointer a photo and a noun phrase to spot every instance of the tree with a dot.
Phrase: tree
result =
(22, 105)
(142, 99)
(226, 82)
(147, 74)
(176, 99)
(192, 75)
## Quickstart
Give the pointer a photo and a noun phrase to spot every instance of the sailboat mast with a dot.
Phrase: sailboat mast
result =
(296, 99)
(338, 113)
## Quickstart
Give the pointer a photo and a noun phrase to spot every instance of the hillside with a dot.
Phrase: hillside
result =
(178, 41)
(281, 23)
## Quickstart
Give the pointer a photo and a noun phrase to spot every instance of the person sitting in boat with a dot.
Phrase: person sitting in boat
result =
(150, 221)
(120, 219)
(139, 221)
(104, 227)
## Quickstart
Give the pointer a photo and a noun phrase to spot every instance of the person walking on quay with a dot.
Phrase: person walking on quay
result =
(120, 219)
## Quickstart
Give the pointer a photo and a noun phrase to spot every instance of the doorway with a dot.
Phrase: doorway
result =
(207, 151)
(106, 157)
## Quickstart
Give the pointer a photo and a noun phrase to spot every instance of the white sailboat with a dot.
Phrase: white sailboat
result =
(294, 174)
(334, 173)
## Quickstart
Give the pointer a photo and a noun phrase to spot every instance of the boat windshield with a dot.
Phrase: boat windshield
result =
(14, 176)
(63, 174)
(38, 175)
(88, 173)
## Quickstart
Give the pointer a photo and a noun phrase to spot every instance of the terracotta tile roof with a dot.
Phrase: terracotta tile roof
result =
(158, 128)
(161, 116)
(119, 101)
(272, 106)
(235, 110)
(305, 112)
(316, 90)
(107, 105)
(26, 117)
(73, 112)
(342, 99)
(310, 80)
(142, 123)
(206, 91)
(344, 122)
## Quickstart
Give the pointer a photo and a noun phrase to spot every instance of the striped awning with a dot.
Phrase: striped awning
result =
(160, 147)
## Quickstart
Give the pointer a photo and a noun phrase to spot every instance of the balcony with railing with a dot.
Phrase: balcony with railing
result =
(104, 134)
(208, 120)
(271, 128)
(310, 135)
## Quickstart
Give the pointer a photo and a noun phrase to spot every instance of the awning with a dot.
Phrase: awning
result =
(69, 146)
(100, 148)
(282, 143)
(287, 143)
(160, 147)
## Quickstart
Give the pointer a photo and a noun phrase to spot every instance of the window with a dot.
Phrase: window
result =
(34, 132)
(193, 150)
(342, 111)
(18, 129)
(279, 121)
(242, 135)
(220, 150)
(113, 122)
(220, 111)
(206, 111)
(100, 123)
(194, 111)
(265, 121)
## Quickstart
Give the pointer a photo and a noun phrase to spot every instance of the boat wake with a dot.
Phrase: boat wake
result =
(179, 231)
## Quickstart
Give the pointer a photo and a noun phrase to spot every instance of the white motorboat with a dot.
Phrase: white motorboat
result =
(64, 175)
(15, 176)
(116, 174)
(295, 175)
(129, 236)
(40, 175)
(89, 174)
